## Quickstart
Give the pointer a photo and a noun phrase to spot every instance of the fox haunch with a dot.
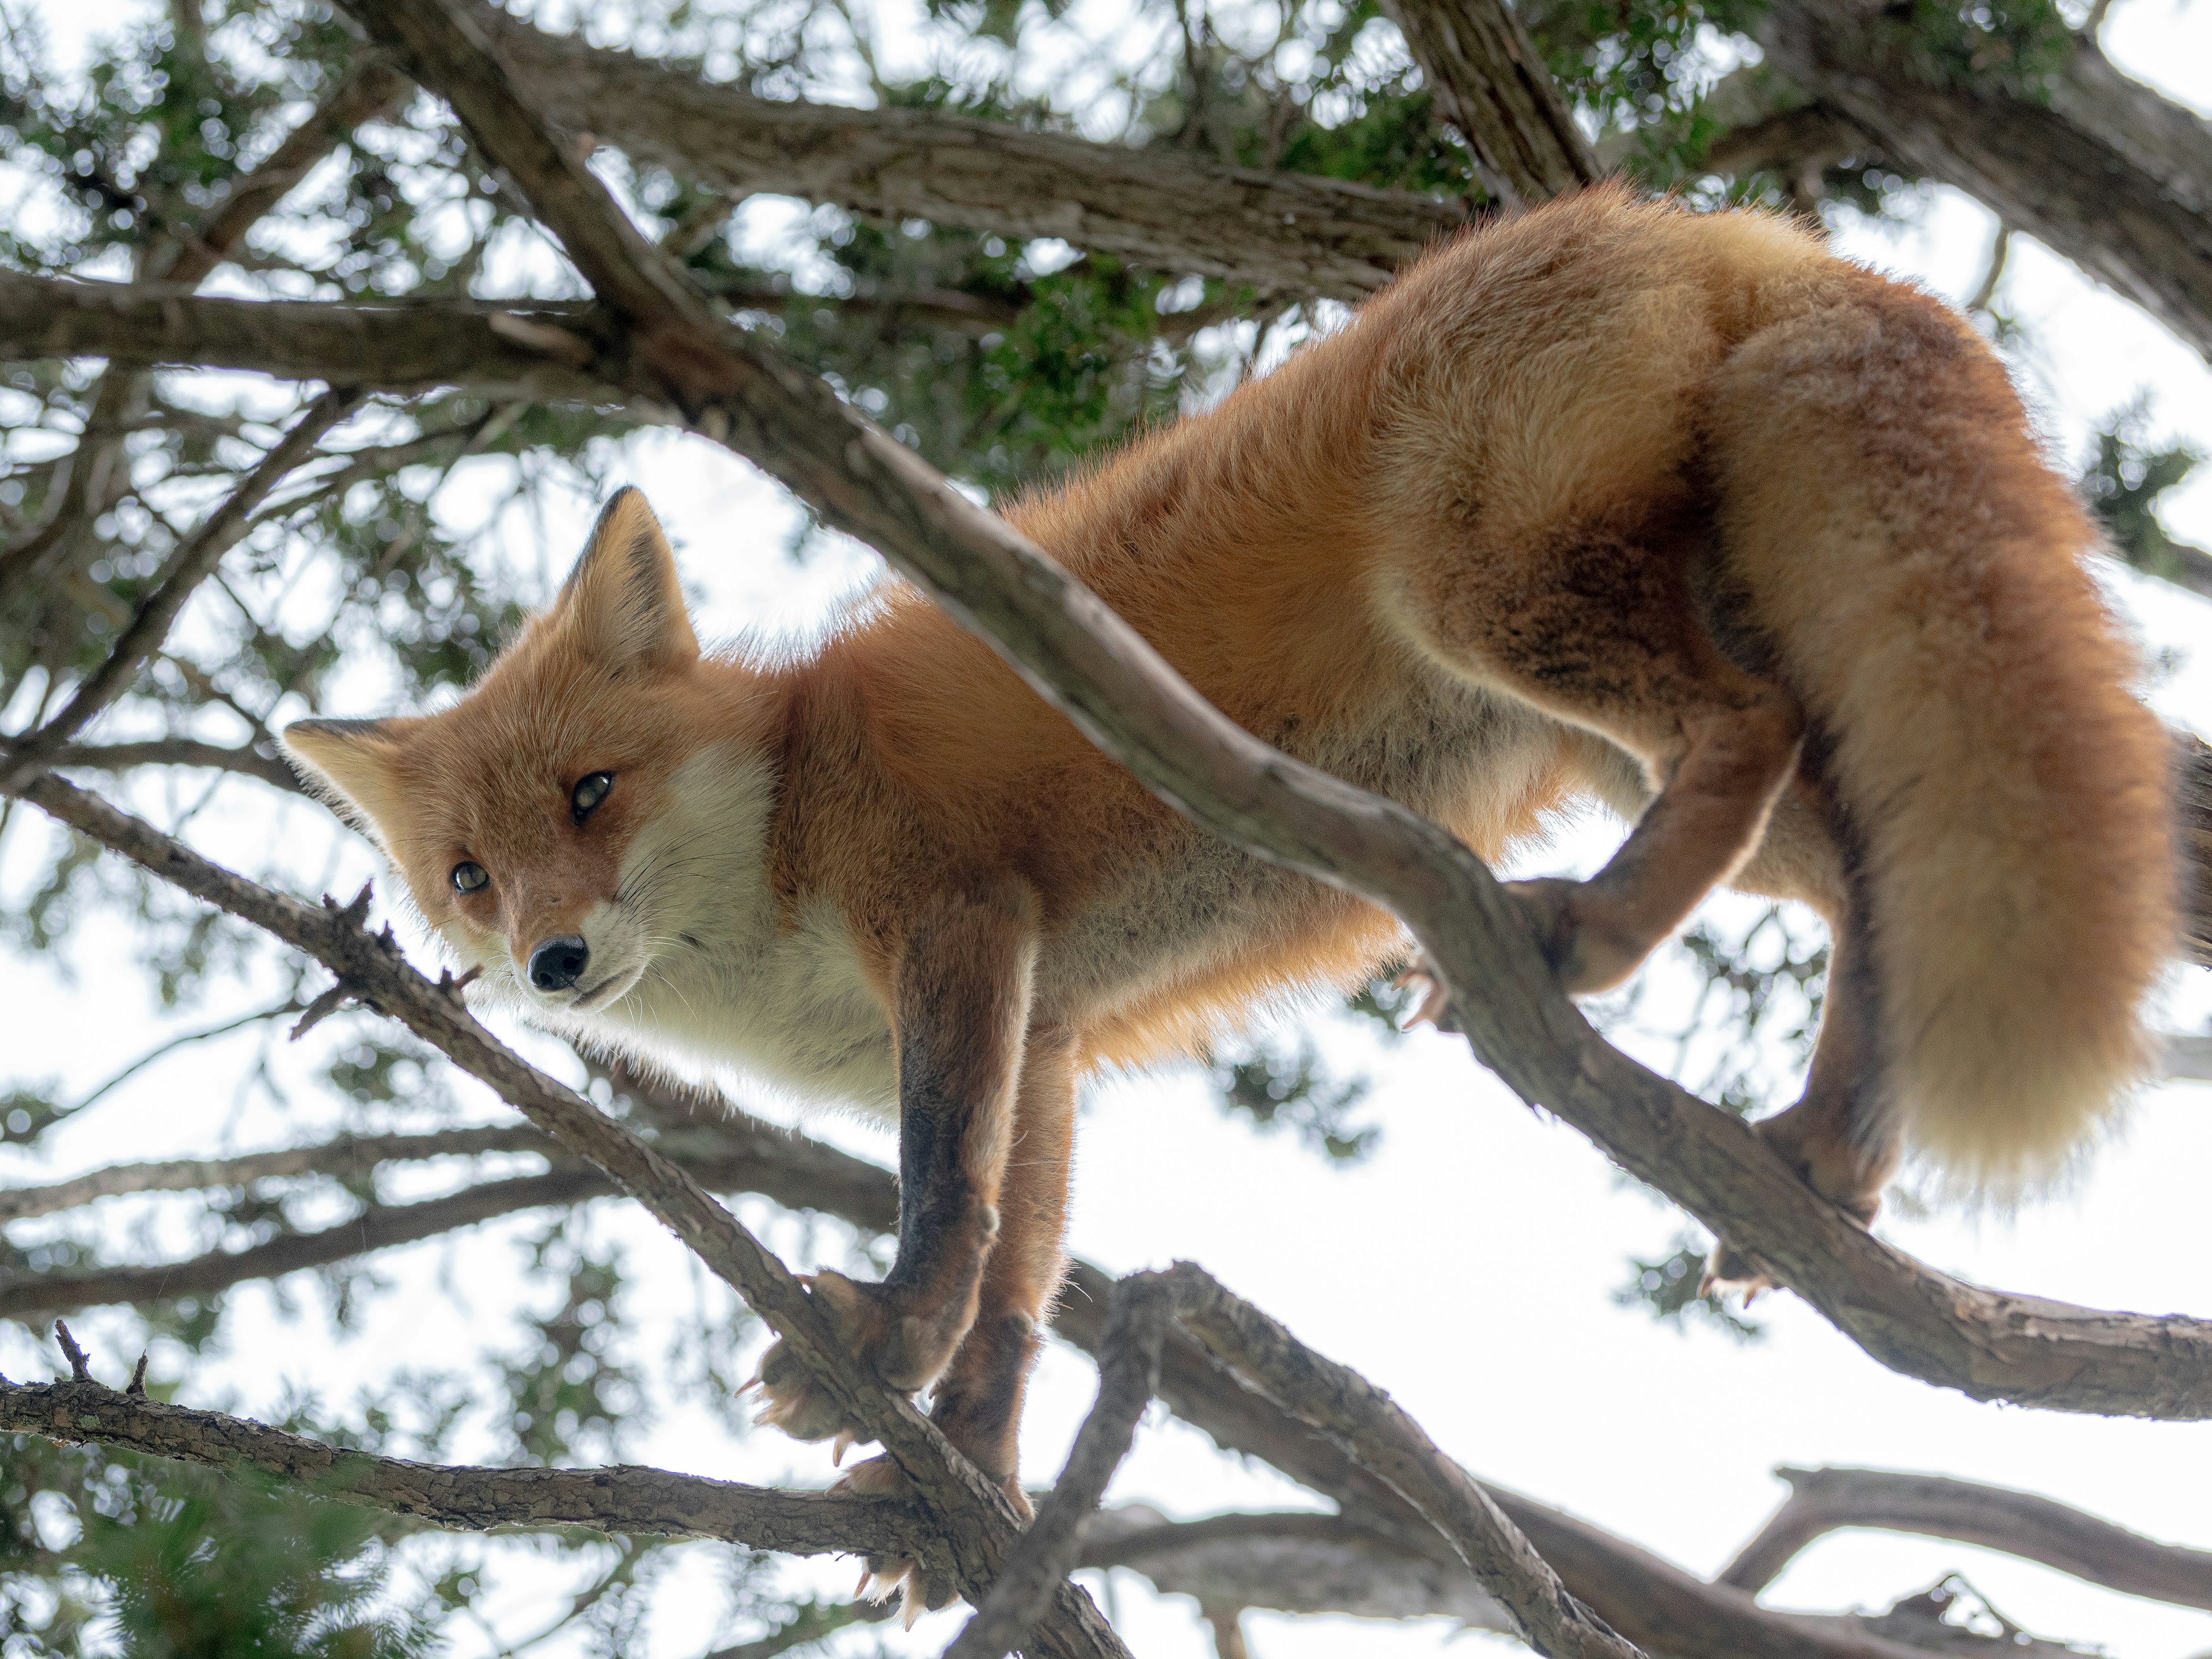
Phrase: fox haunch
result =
(1609, 501)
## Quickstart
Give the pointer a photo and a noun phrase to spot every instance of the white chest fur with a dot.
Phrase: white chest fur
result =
(728, 986)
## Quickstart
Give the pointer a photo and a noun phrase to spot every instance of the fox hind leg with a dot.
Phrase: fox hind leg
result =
(1841, 1138)
(1598, 627)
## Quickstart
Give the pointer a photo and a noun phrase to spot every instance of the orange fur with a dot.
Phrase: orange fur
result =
(1610, 501)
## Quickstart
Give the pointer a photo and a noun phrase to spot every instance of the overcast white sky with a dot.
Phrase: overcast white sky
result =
(1466, 1266)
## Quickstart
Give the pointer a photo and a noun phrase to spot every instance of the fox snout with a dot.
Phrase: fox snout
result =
(556, 964)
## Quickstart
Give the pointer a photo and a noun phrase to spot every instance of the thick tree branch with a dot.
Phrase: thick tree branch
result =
(1290, 1562)
(1164, 209)
(2097, 166)
(523, 353)
(1298, 1561)
(623, 1500)
(1491, 84)
(2020, 1524)
(1371, 1427)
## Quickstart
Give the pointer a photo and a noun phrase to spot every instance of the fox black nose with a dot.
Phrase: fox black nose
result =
(558, 963)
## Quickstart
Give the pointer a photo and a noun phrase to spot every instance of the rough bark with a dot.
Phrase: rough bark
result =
(621, 1500)
(1376, 1433)
(1128, 1372)
(1161, 208)
(2097, 166)
(1490, 83)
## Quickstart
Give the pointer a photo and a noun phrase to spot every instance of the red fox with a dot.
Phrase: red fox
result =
(1609, 501)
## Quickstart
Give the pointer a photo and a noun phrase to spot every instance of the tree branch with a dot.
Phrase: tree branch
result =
(521, 353)
(366, 91)
(621, 1499)
(348, 1155)
(2097, 166)
(1374, 1430)
(2020, 1524)
(1490, 82)
(720, 1163)
(178, 752)
(973, 1515)
(1128, 1371)
(34, 1297)
(369, 90)
(1161, 208)
(191, 565)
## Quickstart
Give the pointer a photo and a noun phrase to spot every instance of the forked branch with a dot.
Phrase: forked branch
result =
(2020, 1524)
(972, 1515)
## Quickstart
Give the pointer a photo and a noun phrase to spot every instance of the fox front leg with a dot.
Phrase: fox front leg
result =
(963, 992)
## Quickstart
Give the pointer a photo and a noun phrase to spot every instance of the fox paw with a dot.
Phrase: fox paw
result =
(1585, 955)
(1421, 979)
(905, 1347)
(1851, 1182)
(791, 1398)
(1728, 1270)
(883, 1576)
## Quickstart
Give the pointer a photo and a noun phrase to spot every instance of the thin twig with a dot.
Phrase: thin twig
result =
(192, 564)
(1128, 1372)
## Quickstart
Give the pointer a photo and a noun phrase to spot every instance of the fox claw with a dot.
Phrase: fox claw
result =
(1434, 1008)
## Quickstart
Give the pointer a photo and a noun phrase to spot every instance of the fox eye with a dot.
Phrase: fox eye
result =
(468, 875)
(589, 793)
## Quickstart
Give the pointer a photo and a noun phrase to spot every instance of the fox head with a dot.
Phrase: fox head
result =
(565, 827)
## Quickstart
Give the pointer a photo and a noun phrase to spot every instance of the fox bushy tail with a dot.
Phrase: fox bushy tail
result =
(2004, 799)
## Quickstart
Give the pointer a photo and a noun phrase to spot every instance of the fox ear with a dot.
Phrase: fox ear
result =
(622, 602)
(353, 765)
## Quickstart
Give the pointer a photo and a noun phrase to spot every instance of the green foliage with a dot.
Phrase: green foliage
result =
(1635, 64)
(1280, 1088)
(27, 1113)
(1668, 1289)
(167, 1561)
(1759, 992)
(570, 1396)
(2126, 475)
(2020, 44)
(1304, 86)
